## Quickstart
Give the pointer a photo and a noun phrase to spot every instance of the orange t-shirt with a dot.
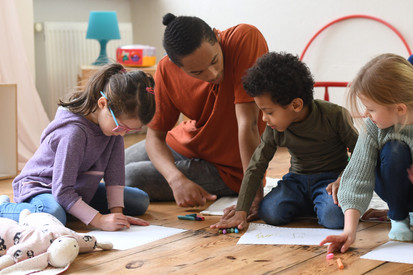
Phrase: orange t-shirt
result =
(211, 133)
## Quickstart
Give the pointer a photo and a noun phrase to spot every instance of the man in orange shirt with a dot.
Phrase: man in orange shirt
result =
(201, 77)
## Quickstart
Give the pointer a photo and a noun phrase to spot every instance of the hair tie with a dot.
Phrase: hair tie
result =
(123, 70)
(150, 90)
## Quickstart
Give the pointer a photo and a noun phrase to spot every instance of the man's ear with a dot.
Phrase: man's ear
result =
(297, 104)
(217, 35)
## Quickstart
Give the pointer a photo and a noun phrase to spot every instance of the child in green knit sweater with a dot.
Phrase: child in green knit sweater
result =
(383, 153)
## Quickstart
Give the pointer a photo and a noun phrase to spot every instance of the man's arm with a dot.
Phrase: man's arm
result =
(186, 192)
(248, 134)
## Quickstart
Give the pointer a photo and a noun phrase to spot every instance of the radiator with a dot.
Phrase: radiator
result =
(60, 49)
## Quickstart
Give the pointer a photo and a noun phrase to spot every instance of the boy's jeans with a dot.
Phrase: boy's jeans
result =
(298, 195)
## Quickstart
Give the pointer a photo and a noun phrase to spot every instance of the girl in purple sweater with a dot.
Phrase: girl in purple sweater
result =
(82, 145)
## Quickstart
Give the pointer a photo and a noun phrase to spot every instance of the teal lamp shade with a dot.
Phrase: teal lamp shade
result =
(103, 26)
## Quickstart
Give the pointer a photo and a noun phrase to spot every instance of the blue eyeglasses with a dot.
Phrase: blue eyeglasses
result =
(120, 128)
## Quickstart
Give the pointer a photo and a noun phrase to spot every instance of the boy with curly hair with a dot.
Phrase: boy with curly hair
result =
(317, 134)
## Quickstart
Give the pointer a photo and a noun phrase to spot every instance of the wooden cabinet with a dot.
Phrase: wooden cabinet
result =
(8, 126)
(86, 71)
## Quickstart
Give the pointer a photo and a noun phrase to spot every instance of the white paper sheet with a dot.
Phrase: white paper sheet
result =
(217, 208)
(268, 234)
(135, 235)
(392, 251)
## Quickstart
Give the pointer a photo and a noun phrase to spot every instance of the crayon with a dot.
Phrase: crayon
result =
(191, 218)
(340, 264)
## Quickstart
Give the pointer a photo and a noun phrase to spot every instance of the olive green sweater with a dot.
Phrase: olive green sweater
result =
(358, 180)
(317, 144)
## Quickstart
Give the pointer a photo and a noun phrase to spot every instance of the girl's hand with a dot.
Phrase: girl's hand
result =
(339, 242)
(137, 221)
(110, 222)
(375, 214)
(232, 218)
(332, 189)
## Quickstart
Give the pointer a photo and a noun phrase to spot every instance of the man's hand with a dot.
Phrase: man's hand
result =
(189, 194)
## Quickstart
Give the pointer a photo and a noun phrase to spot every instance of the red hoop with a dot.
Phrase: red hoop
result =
(344, 84)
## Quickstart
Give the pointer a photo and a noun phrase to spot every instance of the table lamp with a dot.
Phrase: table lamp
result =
(103, 26)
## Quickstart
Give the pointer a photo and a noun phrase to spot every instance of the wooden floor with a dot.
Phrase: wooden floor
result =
(200, 250)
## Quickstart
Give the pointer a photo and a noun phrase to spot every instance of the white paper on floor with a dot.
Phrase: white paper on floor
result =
(268, 234)
(399, 252)
(217, 208)
(135, 235)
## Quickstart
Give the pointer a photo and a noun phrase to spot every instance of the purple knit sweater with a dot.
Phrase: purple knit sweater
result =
(73, 156)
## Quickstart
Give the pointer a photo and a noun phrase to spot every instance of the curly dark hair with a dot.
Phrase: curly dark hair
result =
(183, 35)
(283, 76)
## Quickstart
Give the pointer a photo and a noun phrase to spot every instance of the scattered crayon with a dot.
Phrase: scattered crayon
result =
(192, 217)
(340, 264)
(228, 230)
(329, 256)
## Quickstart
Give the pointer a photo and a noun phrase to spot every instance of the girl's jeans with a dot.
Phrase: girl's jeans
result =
(392, 184)
(136, 202)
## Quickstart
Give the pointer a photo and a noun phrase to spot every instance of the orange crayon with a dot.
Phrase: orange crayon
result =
(340, 264)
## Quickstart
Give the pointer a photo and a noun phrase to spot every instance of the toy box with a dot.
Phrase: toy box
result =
(136, 55)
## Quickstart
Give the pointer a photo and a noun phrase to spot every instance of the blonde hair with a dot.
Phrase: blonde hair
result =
(386, 79)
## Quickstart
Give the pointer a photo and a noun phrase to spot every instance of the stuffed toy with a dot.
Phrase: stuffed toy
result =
(39, 239)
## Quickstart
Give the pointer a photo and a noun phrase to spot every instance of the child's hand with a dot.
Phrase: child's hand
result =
(332, 189)
(253, 213)
(339, 242)
(232, 218)
(137, 221)
(375, 214)
(110, 222)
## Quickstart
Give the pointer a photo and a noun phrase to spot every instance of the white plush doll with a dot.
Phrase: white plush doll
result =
(39, 239)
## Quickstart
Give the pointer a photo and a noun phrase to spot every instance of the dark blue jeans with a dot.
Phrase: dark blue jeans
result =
(299, 195)
(136, 202)
(392, 184)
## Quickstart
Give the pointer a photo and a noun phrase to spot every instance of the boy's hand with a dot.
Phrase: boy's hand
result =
(253, 213)
(332, 189)
(232, 218)
(110, 222)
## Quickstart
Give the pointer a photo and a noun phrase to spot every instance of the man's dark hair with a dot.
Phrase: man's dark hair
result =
(183, 35)
(283, 76)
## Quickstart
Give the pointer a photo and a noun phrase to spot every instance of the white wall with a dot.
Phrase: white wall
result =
(336, 55)
(25, 14)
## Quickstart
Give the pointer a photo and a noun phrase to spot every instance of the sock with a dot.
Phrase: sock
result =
(400, 230)
(4, 199)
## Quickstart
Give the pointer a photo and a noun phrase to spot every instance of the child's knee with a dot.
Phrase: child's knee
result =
(274, 214)
(331, 217)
